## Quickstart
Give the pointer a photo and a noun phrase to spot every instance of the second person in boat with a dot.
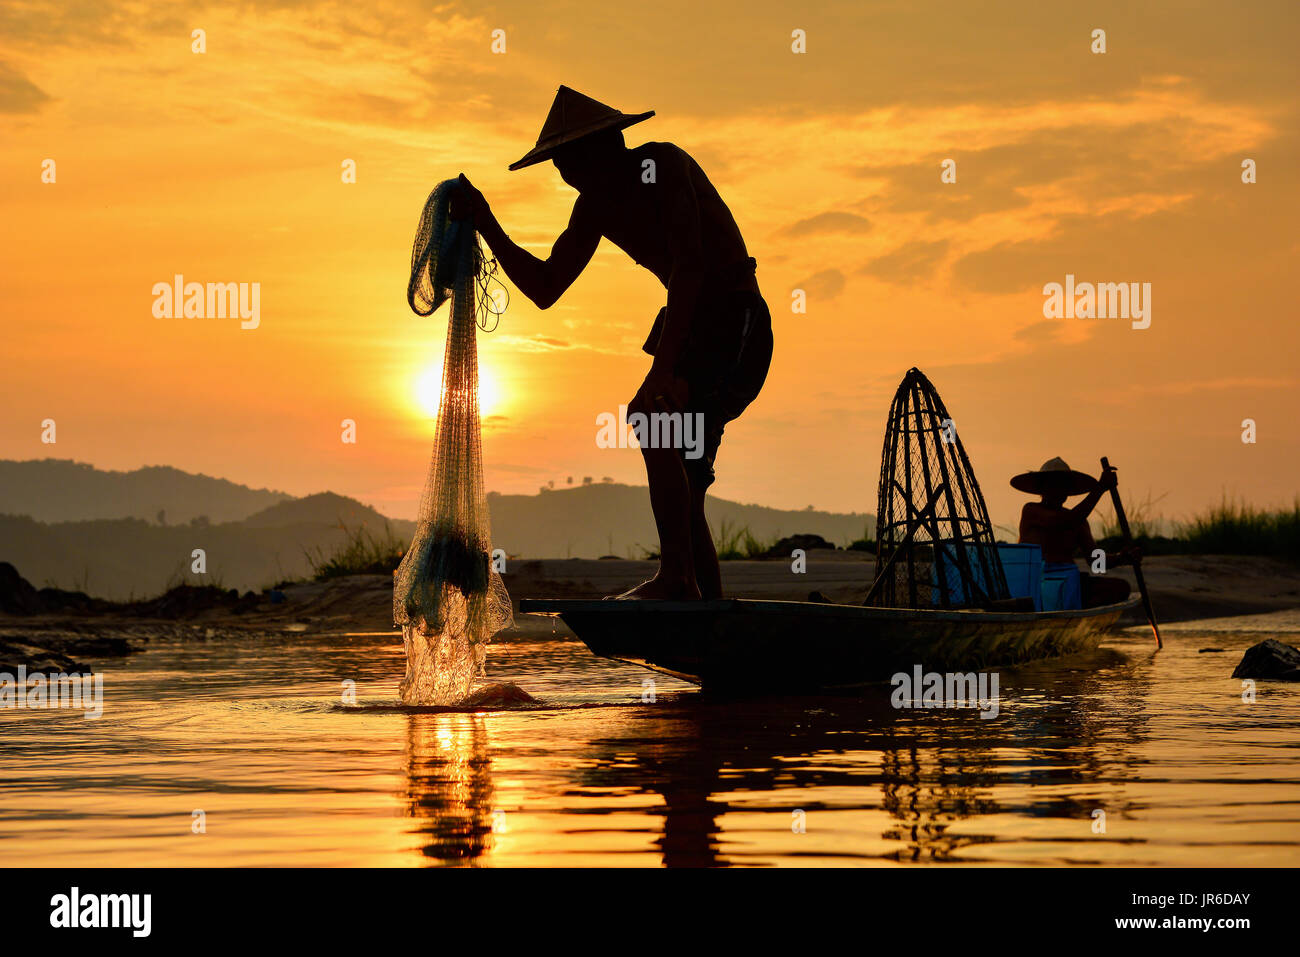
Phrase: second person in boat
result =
(1063, 532)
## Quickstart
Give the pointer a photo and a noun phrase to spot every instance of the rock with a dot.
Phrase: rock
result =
(1270, 660)
(189, 601)
(785, 546)
(17, 596)
(53, 652)
(94, 646)
(58, 599)
(36, 659)
(497, 695)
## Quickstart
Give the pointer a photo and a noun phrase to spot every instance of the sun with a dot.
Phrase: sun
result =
(428, 390)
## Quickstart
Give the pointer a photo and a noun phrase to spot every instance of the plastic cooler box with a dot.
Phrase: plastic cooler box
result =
(1062, 587)
(1023, 565)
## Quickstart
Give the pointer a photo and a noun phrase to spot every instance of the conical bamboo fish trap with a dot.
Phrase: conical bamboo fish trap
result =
(934, 540)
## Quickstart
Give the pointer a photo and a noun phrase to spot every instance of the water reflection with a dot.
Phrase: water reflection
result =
(449, 788)
(1062, 737)
(252, 731)
(679, 762)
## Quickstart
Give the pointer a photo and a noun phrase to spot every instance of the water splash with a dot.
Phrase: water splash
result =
(444, 657)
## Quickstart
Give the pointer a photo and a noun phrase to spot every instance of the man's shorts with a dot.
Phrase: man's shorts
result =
(724, 362)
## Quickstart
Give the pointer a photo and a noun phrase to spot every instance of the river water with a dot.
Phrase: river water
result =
(241, 751)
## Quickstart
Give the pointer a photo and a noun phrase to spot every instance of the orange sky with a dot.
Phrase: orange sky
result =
(225, 166)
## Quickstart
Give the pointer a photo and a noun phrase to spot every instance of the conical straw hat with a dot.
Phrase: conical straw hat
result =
(572, 117)
(1055, 476)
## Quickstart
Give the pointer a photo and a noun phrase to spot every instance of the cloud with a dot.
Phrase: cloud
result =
(535, 343)
(49, 25)
(19, 94)
(1071, 162)
(909, 262)
(1201, 386)
(1040, 332)
(829, 222)
(826, 284)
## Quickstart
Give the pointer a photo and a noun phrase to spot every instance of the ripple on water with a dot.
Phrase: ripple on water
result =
(606, 768)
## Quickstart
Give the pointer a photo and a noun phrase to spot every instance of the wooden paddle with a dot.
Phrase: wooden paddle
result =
(1137, 562)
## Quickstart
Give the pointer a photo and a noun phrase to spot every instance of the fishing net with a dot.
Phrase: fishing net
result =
(934, 540)
(446, 595)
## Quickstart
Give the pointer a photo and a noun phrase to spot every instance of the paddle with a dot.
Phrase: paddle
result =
(1137, 562)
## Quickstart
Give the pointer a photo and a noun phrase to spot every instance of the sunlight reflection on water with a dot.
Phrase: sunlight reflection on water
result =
(255, 734)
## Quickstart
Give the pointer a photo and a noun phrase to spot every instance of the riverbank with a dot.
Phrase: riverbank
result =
(1185, 588)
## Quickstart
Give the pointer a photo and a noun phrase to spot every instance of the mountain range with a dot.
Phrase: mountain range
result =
(61, 490)
(132, 534)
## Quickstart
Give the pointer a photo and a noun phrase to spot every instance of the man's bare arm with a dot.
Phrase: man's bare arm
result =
(1104, 484)
(541, 280)
(1086, 542)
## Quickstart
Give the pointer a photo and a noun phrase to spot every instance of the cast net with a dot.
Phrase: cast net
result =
(934, 540)
(447, 596)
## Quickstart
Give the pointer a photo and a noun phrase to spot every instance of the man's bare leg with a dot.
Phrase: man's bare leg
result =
(671, 500)
(708, 574)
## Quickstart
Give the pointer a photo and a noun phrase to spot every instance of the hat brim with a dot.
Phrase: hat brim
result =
(541, 153)
(1069, 482)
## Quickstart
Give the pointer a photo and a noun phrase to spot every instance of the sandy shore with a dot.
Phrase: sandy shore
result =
(1184, 589)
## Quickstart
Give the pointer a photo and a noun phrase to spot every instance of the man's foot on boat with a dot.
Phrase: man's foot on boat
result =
(661, 588)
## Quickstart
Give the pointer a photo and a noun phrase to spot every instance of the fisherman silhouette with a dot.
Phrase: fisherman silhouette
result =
(711, 343)
(1063, 532)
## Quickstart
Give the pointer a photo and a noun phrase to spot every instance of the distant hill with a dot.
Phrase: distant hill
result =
(323, 508)
(608, 518)
(100, 533)
(126, 557)
(61, 490)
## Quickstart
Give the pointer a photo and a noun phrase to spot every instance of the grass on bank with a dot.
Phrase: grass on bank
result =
(361, 553)
(1235, 528)
(1229, 528)
(733, 543)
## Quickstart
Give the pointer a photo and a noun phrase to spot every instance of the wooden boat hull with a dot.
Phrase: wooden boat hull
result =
(743, 644)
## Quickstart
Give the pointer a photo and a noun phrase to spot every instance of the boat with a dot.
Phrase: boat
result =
(941, 598)
(741, 644)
